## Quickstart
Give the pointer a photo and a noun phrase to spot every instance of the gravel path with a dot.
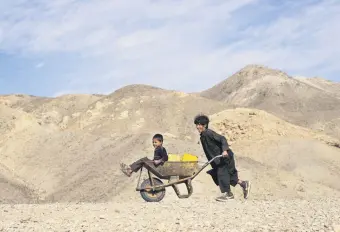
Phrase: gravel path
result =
(178, 215)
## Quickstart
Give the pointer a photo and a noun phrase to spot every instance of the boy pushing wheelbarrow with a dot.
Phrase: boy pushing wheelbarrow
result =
(223, 172)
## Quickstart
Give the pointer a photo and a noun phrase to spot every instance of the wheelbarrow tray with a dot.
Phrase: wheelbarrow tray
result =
(170, 169)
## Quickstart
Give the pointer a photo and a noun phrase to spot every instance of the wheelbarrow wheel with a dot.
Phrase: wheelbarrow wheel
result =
(152, 196)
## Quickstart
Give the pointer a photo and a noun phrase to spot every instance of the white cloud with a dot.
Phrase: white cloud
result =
(40, 65)
(186, 45)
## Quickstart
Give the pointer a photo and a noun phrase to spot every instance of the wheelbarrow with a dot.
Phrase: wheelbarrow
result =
(152, 189)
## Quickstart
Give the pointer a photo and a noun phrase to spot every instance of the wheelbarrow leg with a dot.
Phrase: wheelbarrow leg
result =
(138, 183)
(189, 189)
(151, 181)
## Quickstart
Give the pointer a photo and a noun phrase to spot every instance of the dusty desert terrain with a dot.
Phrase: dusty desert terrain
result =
(176, 215)
(59, 166)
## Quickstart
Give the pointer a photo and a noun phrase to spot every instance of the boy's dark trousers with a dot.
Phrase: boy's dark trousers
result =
(225, 173)
(139, 164)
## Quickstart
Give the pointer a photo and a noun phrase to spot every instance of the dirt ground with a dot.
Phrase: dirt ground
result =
(176, 215)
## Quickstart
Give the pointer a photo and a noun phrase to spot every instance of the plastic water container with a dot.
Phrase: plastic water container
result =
(189, 157)
(174, 158)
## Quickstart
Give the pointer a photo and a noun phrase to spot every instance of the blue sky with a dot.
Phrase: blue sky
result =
(49, 48)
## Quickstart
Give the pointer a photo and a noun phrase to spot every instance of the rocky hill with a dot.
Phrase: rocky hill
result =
(322, 84)
(307, 102)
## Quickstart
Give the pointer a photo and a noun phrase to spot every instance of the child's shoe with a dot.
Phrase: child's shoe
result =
(246, 188)
(225, 196)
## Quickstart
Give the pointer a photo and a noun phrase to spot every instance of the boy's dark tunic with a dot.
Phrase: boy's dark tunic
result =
(224, 172)
(159, 153)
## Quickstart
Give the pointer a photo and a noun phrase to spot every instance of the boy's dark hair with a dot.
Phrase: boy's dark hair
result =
(159, 137)
(202, 120)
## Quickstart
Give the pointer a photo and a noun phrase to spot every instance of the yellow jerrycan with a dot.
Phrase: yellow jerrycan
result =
(174, 158)
(186, 157)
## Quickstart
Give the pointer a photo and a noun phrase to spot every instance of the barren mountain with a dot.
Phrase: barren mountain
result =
(299, 102)
(16, 100)
(322, 84)
(144, 109)
(13, 190)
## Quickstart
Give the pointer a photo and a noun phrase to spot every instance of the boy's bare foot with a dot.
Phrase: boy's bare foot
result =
(126, 169)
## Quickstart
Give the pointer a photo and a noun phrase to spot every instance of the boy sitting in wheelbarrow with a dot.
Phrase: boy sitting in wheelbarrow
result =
(160, 156)
(223, 172)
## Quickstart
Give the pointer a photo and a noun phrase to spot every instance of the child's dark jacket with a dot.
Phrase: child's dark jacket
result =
(160, 153)
(213, 145)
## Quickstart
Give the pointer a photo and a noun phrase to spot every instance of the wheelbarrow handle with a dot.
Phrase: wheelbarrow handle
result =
(212, 160)
(218, 156)
(205, 165)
